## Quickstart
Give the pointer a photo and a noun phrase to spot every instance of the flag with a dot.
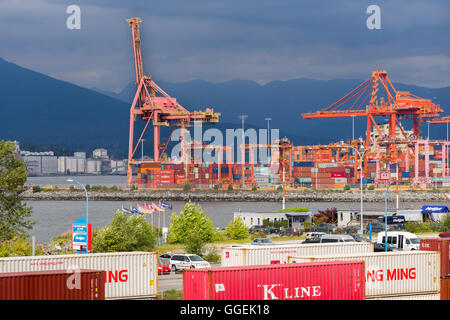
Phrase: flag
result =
(149, 208)
(157, 208)
(143, 209)
(135, 211)
(165, 205)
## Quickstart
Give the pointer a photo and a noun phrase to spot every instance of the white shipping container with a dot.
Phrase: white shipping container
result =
(278, 254)
(128, 274)
(392, 273)
(429, 296)
(327, 165)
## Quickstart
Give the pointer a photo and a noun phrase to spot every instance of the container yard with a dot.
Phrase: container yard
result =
(309, 281)
(128, 275)
(53, 285)
(388, 153)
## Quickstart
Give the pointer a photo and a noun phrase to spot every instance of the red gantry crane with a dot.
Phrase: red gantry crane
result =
(151, 103)
(364, 102)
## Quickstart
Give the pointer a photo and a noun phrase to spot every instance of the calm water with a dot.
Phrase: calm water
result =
(56, 217)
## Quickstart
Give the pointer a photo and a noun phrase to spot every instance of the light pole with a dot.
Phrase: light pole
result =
(85, 191)
(361, 153)
(87, 199)
(268, 140)
(385, 213)
(243, 117)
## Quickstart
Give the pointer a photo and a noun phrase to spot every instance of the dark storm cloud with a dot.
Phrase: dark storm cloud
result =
(223, 40)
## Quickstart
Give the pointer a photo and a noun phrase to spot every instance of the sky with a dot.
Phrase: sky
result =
(217, 41)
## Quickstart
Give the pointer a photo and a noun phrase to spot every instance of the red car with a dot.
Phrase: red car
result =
(163, 268)
(445, 234)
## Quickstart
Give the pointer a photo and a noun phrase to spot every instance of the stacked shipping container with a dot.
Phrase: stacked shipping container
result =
(278, 254)
(442, 246)
(127, 274)
(392, 274)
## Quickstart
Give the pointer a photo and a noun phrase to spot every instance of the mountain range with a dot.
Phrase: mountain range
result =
(40, 110)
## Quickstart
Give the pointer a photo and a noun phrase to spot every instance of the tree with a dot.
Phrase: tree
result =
(237, 230)
(125, 233)
(14, 213)
(191, 220)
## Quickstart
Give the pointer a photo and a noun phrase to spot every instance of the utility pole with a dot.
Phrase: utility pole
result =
(361, 153)
(243, 117)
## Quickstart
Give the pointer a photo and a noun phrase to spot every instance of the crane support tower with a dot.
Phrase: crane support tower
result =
(152, 104)
(363, 101)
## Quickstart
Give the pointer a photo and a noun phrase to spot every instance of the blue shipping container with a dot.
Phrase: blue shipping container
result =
(303, 164)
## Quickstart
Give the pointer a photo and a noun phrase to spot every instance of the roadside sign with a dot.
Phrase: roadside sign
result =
(81, 236)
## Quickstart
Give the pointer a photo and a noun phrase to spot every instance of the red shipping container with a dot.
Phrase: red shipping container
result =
(337, 280)
(53, 285)
(445, 288)
(443, 247)
(338, 174)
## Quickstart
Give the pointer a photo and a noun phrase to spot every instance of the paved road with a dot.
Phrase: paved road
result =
(174, 281)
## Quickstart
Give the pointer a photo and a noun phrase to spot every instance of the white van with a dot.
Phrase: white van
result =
(405, 241)
(336, 238)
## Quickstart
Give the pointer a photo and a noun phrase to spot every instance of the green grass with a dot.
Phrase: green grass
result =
(171, 295)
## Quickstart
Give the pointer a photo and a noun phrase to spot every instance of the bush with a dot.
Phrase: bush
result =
(258, 235)
(445, 223)
(416, 227)
(254, 188)
(194, 243)
(237, 230)
(36, 189)
(191, 219)
(18, 247)
(230, 187)
(371, 187)
(346, 187)
(125, 233)
(212, 255)
(187, 186)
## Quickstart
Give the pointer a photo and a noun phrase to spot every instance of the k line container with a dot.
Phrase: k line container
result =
(278, 254)
(393, 273)
(443, 247)
(307, 281)
(127, 274)
(53, 285)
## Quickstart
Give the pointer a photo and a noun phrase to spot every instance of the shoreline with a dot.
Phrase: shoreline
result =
(237, 195)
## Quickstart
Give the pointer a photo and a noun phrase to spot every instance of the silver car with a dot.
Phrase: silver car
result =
(187, 261)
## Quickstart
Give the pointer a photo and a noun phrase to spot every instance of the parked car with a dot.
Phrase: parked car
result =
(336, 238)
(187, 261)
(358, 237)
(324, 227)
(255, 229)
(312, 240)
(445, 234)
(377, 227)
(261, 242)
(379, 247)
(290, 232)
(314, 234)
(165, 258)
(163, 267)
